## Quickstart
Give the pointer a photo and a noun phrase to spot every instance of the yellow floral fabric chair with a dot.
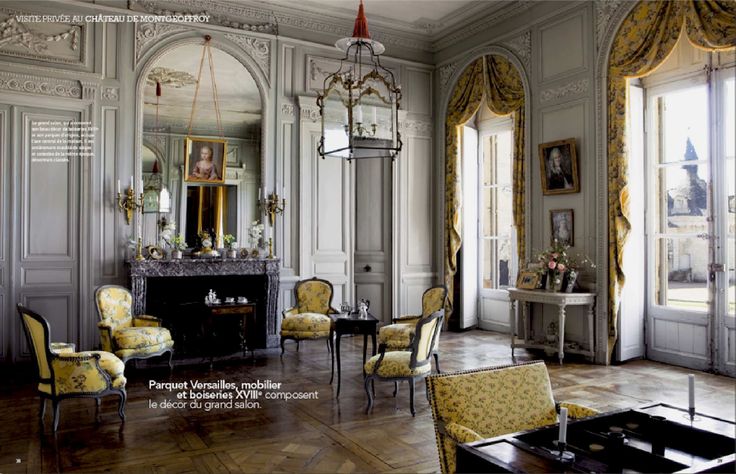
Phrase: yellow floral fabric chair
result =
(63, 373)
(410, 365)
(478, 404)
(125, 335)
(398, 336)
(309, 319)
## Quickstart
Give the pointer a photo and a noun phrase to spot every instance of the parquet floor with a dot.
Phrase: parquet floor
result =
(323, 435)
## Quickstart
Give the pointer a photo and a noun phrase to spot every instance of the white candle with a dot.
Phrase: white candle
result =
(347, 119)
(140, 185)
(259, 193)
(375, 116)
(359, 114)
(118, 186)
(132, 183)
(563, 425)
(691, 390)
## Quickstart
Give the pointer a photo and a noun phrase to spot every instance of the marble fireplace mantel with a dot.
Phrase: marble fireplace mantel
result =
(141, 271)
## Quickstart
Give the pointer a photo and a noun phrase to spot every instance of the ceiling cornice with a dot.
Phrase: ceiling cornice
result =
(248, 12)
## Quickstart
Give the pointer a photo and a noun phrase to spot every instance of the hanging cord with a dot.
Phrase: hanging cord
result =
(207, 50)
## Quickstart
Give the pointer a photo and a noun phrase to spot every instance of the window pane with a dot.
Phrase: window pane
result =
(504, 153)
(487, 209)
(504, 261)
(681, 273)
(488, 171)
(684, 115)
(504, 218)
(731, 273)
(488, 258)
(682, 199)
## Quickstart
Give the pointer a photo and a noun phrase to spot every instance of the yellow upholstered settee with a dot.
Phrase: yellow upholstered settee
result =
(309, 319)
(63, 373)
(398, 336)
(125, 335)
(478, 404)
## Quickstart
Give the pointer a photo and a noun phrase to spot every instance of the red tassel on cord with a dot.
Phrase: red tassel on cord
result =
(158, 89)
(155, 167)
(360, 30)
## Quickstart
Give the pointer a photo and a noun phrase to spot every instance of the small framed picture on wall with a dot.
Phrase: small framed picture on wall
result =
(559, 165)
(562, 225)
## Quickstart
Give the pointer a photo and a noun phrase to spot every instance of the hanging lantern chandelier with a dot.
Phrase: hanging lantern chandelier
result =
(359, 103)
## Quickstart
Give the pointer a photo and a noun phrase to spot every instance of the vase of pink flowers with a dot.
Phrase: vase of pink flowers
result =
(560, 268)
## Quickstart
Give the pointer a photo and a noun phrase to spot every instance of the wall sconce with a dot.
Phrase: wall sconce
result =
(272, 206)
(128, 203)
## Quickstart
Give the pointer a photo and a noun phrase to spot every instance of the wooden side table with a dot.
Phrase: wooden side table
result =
(561, 300)
(352, 324)
(245, 311)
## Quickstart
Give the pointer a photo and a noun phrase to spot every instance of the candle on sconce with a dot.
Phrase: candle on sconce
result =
(563, 426)
(132, 183)
(346, 118)
(118, 186)
(691, 391)
(375, 116)
(140, 185)
(259, 193)
(359, 114)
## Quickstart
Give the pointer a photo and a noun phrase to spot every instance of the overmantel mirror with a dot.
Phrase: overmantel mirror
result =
(201, 168)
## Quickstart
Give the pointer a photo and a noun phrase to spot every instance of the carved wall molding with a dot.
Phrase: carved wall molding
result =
(522, 46)
(65, 44)
(258, 49)
(31, 84)
(604, 10)
(419, 128)
(169, 77)
(446, 71)
(110, 93)
(148, 34)
(570, 89)
(309, 112)
(287, 110)
(89, 90)
(231, 16)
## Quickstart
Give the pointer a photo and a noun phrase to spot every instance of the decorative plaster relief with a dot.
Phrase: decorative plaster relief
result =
(147, 34)
(169, 77)
(89, 90)
(258, 49)
(309, 112)
(571, 88)
(54, 42)
(287, 110)
(40, 85)
(604, 10)
(522, 47)
(110, 93)
(446, 72)
(219, 14)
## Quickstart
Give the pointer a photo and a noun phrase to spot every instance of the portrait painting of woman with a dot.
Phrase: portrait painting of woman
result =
(205, 159)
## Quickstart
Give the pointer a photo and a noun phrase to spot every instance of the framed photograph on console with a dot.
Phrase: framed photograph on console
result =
(527, 280)
(205, 160)
(559, 165)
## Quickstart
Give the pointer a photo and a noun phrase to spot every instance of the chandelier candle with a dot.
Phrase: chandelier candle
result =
(691, 395)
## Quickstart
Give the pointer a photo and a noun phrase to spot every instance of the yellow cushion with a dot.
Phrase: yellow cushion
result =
(72, 375)
(306, 322)
(396, 335)
(62, 347)
(313, 297)
(433, 300)
(140, 337)
(305, 334)
(395, 364)
(462, 434)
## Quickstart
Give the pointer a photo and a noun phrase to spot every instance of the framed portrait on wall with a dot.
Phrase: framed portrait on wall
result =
(559, 165)
(561, 225)
(205, 160)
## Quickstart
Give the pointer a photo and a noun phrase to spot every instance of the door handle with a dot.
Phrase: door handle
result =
(367, 268)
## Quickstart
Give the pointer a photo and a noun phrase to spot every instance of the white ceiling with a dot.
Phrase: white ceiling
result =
(428, 17)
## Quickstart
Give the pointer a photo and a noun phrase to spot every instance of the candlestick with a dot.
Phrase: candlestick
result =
(563, 426)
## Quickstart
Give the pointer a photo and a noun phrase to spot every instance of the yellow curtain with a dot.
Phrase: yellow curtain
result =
(646, 37)
(496, 80)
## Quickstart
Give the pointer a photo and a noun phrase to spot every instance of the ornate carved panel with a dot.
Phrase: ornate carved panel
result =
(54, 42)
(258, 49)
(31, 84)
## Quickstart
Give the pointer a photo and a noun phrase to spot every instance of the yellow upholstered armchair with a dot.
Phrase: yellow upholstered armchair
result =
(478, 404)
(398, 336)
(125, 335)
(408, 365)
(309, 319)
(63, 373)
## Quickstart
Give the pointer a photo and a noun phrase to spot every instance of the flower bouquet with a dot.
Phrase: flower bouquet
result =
(560, 268)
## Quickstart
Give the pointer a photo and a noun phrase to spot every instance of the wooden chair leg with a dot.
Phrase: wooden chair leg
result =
(282, 345)
(121, 407)
(42, 411)
(396, 388)
(55, 405)
(171, 362)
(368, 383)
(437, 362)
(411, 397)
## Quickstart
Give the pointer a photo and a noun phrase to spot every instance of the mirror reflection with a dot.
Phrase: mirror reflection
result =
(201, 168)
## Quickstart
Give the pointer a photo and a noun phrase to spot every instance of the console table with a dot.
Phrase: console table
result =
(561, 300)
(171, 282)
